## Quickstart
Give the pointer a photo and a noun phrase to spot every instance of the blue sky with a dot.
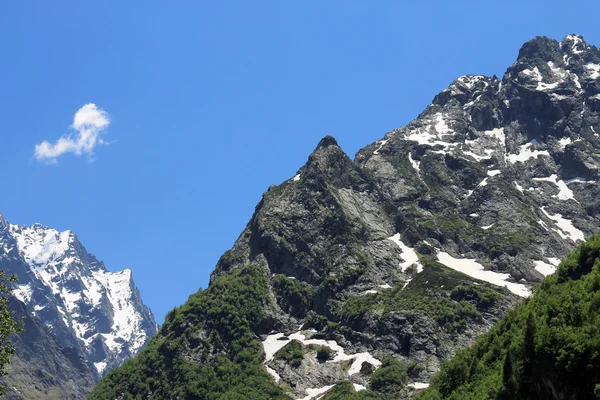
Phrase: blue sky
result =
(208, 103)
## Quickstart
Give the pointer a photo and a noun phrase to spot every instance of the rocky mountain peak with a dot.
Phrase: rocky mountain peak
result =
(540, 50)
(575, 45)
(3, 223)
(327, 164)
(82, 303)
(327, 141)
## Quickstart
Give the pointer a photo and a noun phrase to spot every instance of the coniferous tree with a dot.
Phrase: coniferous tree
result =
(508, 380)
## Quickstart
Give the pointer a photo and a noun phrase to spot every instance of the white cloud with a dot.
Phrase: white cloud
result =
(89, 123)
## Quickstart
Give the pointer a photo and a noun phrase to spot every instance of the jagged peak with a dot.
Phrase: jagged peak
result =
(327, 141)
(574, 44)
(51, 256)
(3, 222)
(327, 146)
(328, 161)
(464, 89)
(540, 49)
(547, 65)
(470, 81)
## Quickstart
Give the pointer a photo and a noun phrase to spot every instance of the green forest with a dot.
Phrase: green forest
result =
(546, 348)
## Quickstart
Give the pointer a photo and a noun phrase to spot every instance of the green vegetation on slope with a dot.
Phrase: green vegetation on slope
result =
(458, 303)
(390, 377)
(345, 391)
(292, 353)
(205, 350)
(546, 348)
(294, 296)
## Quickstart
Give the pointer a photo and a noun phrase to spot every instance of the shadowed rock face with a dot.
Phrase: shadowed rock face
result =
(42, 368)
(425, 239)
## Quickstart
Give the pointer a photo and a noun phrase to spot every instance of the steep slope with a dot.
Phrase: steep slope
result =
(409, 252)
(547, 348)
(42, 368)
(96, 313)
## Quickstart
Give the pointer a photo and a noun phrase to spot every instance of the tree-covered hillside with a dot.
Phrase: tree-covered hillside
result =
(547, 348)
(169, 369)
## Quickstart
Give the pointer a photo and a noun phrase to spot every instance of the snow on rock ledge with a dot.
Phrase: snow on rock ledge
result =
(474, 269)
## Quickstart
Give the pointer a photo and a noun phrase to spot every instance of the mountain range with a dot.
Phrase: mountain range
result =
(357, 278)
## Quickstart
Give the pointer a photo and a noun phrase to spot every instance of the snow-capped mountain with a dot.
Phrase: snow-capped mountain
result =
(82, 303)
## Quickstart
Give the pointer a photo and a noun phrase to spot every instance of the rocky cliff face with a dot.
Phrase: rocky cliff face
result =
(424, 240)
(42, 368)
(96, 313)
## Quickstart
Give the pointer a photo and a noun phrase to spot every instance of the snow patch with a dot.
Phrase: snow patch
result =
(497, 133)
(563, 142)
(100, 367)
(544, 268)
(474, 269)
(519, 187)
(564, 193)
(419, 385)
(408, 254)
(381, 144)
(566, 229)
(274, 374)
(275, 342)
(525, 153)
(416, 164)
(441, 126)
(358, 387)
(554, 261)
(23, 292)
(313, 393)
(296, 178)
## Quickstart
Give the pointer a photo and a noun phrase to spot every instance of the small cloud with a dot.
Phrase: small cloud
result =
(89, 123)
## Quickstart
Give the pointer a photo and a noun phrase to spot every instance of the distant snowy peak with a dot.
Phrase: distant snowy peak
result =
(68, 288)
(41, 245)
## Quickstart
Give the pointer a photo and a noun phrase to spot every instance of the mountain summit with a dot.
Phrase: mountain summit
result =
(406, 254)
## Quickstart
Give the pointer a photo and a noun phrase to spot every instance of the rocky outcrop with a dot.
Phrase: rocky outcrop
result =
(42, 368)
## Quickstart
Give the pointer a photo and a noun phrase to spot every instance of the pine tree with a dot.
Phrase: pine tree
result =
(526, 377)
(508, 380)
